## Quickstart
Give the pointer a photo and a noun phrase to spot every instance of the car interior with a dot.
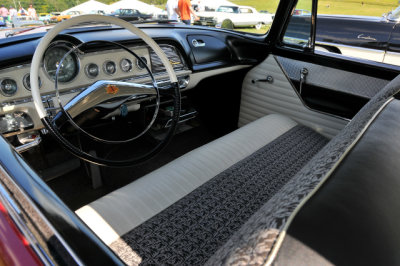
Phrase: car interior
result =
(186, 145)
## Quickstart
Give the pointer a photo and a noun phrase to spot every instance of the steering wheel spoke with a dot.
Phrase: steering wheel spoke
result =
(108, 94)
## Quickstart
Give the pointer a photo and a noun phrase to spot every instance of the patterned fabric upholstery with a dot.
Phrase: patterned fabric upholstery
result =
(253, 243)
(192, 229)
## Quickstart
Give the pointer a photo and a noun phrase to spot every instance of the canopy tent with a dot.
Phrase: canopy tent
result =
(134, 4)
(89, 7)
(212, 4)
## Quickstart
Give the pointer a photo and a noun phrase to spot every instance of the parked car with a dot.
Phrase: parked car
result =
(53, 17)
(99, 12)
(24, 21)
(68, 15)
(130, 15)
(169, 144)
(2, 22)
(301, 12)
(45, 17)
(372, 38)
(234, 16)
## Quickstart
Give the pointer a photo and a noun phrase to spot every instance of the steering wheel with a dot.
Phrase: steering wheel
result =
(104, 90)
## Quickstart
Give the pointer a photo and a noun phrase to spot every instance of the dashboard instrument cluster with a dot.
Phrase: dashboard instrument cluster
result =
(76, 71)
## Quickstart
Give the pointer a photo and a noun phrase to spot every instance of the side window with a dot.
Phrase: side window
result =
(246, 10)
(254, 17)
(298, 31)
(363, 29)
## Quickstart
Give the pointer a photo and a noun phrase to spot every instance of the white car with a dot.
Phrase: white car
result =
(234, 16)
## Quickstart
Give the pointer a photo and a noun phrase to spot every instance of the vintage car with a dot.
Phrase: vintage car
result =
(45, 17)
(53, 17)
(170, 144)
(233, 17)
(2, 23)
(130, 15)
(67, 15)
(24, 21)
(373, 38)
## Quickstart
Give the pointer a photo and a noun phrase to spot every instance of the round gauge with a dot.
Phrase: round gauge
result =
(126, 65)
(27, 82)
(109, 67)
(69, 68)
(140, 63)
(8, 87)
(92, 70)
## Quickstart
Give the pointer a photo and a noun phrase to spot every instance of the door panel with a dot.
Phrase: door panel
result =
(335, 91)
(333, 79)
(263, 98)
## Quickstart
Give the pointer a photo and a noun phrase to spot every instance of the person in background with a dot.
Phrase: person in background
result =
(21, 11)
(32, 12)
(4, 13)
(12, 13)
(185, 11)
(172, 9)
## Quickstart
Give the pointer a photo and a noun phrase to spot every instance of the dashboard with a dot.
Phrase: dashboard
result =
(78, 69)
(81, 60)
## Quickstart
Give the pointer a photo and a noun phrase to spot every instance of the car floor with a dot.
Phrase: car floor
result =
(75, 187)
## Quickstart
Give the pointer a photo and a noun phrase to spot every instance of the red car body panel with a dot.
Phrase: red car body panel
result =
(14, 248)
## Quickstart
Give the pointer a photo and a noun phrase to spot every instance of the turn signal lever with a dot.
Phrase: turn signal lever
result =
(268, 79)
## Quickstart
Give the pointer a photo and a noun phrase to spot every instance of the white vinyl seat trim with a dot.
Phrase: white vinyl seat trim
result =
(124, 209)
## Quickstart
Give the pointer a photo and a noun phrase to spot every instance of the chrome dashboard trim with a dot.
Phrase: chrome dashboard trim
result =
(46, 96)
(28, 146)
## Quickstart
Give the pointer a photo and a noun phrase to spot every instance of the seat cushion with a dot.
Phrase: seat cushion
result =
(192, 229)
(119, 212)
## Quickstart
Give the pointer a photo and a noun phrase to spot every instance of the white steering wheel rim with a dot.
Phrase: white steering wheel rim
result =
(46, 40)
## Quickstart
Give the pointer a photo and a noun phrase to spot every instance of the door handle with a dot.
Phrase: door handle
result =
(198, 43)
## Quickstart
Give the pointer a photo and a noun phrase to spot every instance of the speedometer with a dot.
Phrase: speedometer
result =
(69, 67)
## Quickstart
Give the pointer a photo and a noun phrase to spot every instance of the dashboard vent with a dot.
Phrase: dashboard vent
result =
(173, 55)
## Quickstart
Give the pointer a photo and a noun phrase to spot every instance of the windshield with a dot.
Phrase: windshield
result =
(250, 16)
